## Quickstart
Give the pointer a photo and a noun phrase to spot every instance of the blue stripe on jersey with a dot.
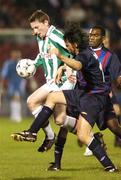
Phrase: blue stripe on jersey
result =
(104, 58)
(101, 56)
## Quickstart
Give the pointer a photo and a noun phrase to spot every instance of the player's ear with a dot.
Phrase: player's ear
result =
(75, 45)
(46, 22)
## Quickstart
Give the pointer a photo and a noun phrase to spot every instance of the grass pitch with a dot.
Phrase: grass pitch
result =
(21, 161)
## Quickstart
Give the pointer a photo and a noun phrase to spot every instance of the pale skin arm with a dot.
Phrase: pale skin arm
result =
(59, 73)
(69, 73)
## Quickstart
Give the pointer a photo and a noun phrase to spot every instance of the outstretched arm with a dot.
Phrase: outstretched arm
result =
(73, 63)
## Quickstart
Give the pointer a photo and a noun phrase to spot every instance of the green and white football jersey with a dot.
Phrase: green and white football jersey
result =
(53, 39)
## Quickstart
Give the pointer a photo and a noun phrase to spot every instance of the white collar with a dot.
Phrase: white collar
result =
(96, 49)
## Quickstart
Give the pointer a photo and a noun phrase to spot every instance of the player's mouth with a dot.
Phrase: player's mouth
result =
(91, 43)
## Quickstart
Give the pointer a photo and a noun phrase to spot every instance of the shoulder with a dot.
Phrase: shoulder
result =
(107, 50)
(56, 37)
(86, 53)
(112, 53)
(7, 63)
(57, 33)
(85, 57)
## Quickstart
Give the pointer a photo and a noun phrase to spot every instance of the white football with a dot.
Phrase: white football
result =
(25, 68)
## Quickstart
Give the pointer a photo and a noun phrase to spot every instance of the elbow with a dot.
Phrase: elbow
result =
(77, 67)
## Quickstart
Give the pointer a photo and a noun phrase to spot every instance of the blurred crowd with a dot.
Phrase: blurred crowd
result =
(15, 13)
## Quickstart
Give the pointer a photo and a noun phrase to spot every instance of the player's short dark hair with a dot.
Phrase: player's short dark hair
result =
(103, 31)
(40, 16)
(74, 34)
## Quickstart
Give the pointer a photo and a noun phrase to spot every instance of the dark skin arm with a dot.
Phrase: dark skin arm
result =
(76, 65)
(72, 63)
(118, 82)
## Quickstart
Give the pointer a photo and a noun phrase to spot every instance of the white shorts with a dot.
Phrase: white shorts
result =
(52, 86)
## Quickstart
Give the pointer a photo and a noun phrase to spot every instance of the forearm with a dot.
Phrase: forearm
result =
(62, 68)
(74, 64)
(118, 82)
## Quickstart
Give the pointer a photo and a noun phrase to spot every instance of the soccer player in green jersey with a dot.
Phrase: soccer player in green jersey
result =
(48, 38)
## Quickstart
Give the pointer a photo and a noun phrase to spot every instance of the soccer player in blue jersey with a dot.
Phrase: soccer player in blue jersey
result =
(112, 71)
(15, 85)
(89, 102)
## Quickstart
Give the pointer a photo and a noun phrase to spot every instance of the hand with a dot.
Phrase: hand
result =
(117, 109)
(118, 82)
(72, 78)
(59, 73)
(54, 51)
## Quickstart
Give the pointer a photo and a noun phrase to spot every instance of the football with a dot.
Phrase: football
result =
(25, 68)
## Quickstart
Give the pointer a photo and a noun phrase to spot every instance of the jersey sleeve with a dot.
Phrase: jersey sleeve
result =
(83, 59)
(38, 61)
(115, 67)
(57, 39)
(62, 49)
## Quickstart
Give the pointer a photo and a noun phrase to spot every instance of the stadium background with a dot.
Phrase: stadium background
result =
(15, 31)
(21, 161)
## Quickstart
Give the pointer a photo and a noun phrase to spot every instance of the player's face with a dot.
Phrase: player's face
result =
(40, 28)
(72, 47)
(95, 38)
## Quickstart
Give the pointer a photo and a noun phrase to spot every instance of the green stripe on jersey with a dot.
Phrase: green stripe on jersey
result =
(62, 50)
(58, 33)
(54, 39)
